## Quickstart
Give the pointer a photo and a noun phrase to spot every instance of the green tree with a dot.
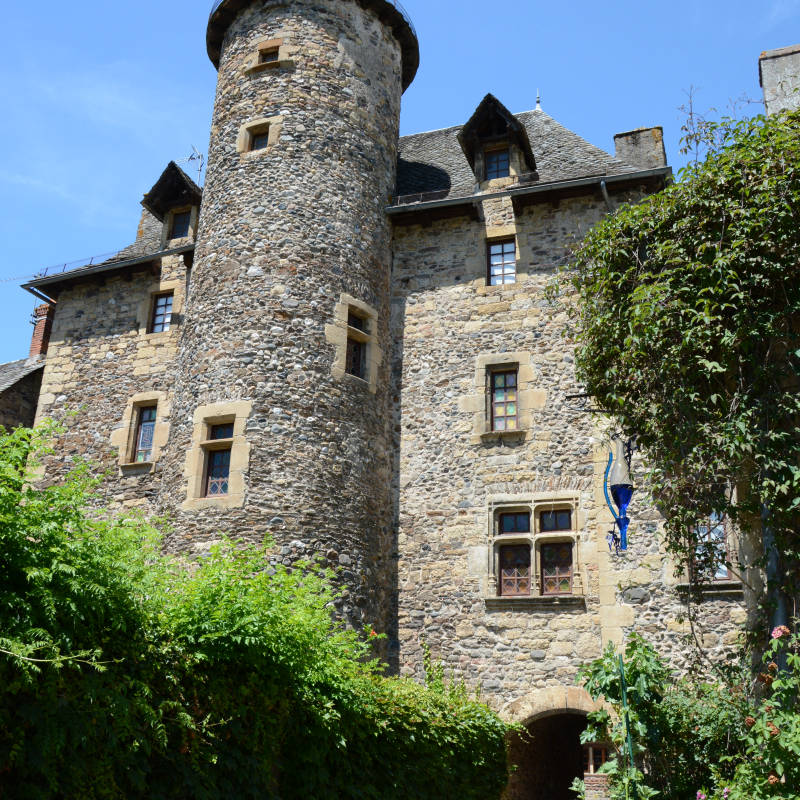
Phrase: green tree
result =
(126, 674)
(687, 325)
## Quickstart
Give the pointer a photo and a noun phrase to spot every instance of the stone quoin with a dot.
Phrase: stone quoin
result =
(342, 342)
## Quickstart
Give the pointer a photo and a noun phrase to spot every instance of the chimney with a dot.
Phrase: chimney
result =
(42, 326)
(779, 74)
(643, 148)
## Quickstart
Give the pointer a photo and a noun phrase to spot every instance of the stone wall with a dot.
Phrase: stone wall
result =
(18, 401)
(100, 358)
(454, 476)
(286, 235)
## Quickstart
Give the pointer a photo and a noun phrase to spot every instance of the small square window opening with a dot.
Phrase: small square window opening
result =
(180, 225)
(145, 433)
(515, 523)
(556, 521)
(162, 313)
(355, 358)
(221, 432)
(355, 321)
(496, 164)
(502, 263)
(260, 140)
(515, 570)
(557, 569)
(219, 470)
(594, 756)
(268, 56)
(504, 401)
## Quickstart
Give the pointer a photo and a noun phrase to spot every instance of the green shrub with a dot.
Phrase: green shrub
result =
(125, 674)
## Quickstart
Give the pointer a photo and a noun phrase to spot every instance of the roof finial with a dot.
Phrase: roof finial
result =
(538, 100)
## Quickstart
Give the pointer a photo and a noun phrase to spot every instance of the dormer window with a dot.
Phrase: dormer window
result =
(180, 225)
(497, 164)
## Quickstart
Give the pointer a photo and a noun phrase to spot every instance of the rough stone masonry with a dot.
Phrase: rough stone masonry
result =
(325, 324)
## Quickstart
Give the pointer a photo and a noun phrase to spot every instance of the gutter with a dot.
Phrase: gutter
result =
(598, 182)
(31, 286)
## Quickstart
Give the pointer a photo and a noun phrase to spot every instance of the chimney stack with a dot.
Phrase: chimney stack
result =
(779, 74)
(643, 148)
(42, 326)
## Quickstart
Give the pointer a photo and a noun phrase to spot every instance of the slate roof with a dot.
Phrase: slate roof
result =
(434, 162)
(15, 371)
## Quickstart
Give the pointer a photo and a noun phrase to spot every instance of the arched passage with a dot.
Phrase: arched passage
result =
(548, 757)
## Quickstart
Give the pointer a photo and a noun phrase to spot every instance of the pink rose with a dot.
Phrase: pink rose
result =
(780, 632)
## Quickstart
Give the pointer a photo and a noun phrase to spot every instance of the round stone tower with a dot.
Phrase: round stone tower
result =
(281, 418)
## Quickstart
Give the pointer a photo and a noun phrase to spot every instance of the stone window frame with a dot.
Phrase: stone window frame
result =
(534, 504)
(477, 403)
(339, 332)
(205, 417)
(144, 313)
(254, 65)
(124, 437)
(515, 165)
(257, 127)
(477, 265)
(169, 219)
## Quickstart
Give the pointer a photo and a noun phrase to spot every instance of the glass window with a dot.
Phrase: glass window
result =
(260, 141)
(515, 570)
(268, 56)
(515, 523)
(502, 263)
(221, 431)
(504, 401)
(355, 321)
(355, 358)
(496, 164)
(180, 225)
(557, 569)
(162, 313)
(145, 434)
(219, 470)
(556, 521)
(712, 550)
(594, 756)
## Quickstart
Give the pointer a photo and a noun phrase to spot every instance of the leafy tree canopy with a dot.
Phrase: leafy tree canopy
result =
(687, 320)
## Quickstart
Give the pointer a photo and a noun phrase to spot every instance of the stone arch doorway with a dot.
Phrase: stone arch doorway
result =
(548, 756)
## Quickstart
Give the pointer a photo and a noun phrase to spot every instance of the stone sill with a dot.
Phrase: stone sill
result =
(534, 602)
(256, 68)
(503, 434)
(718, 587)
(137, 467)
(217, 444)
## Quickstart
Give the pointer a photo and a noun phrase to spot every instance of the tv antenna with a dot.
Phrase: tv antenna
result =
(196, 158)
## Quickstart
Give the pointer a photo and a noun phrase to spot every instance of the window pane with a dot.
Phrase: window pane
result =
(219, 466)
(504, 405)
(145, 435)
(221, 431)
(515, 564)
(260, 141)
(557, 569)
(355, 358)
(502, 263)
(497, 162)
(180, 225)
(556, 520)
(515, 523)
(162, 313)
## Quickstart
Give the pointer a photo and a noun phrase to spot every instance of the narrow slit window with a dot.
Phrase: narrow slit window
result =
(162, 313)
(180, 225)
(557, 569)
(497, 162)
(502, 263)
(504, 401)
(594, 756)
(556, 521)
(260, 140)
(515, 571)
(145, 434)
(355, 358)
(268, 56)
(515, 523)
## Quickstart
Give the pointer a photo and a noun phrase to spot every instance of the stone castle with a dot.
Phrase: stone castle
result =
(342, 342)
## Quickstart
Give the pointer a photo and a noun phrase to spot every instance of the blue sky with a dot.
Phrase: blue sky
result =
(97, 97)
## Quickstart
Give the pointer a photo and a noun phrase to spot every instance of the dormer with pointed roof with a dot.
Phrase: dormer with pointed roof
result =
(174, 201)
(494, 129)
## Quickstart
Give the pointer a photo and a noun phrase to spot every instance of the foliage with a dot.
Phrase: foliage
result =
(730, 739)
(688, 322)
(128, 674)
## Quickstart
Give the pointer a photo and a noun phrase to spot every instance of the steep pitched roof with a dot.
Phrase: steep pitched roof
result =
(434, 161)
(15, 371)
(173, 188)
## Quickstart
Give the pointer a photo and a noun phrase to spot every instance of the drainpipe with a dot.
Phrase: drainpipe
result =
(605, 195)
